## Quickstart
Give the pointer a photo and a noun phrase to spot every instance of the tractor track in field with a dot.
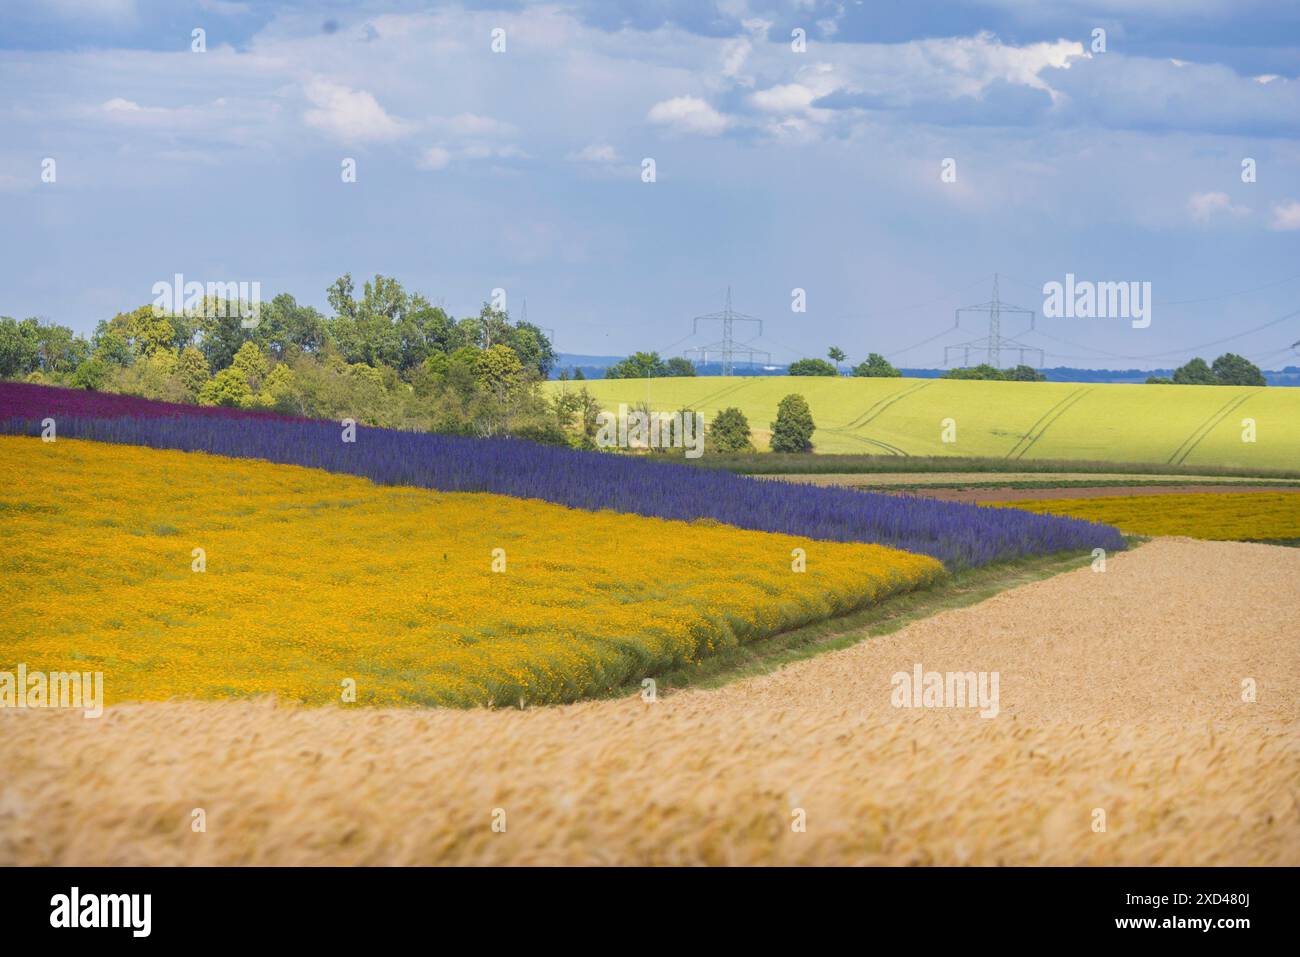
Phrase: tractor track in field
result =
(1179, 455)
(1119, 691)
(873, 443)
(871, 413)
(725, 392)
(874, 410)
(1045, 422)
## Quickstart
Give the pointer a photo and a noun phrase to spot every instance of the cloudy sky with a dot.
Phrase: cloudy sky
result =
(775, 168)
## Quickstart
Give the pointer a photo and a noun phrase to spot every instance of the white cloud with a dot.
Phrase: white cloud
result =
(226, 8)
(120, 111)
(786, 98)
(349, 115)
(734, 54)
(472, 125)
(94, 9)
(982, 59)
(1286, 216)
(119, 105)
(489, 151)
(688, 114)
(596, 153)
(440, 157)
(434, 158)
(1204, 206)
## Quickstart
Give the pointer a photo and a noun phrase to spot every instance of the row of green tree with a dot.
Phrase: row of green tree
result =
(728, 434)
(1228, 369)
(385, 356)
(874, 366)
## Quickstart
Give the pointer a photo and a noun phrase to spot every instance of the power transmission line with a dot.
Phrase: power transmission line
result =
(1188, 302)
(915, 305)
(1168, 354)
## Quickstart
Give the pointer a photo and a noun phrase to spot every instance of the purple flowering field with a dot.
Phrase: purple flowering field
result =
(958, 534)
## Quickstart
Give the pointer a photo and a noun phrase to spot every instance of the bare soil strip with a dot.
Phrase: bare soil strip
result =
(1120, 692)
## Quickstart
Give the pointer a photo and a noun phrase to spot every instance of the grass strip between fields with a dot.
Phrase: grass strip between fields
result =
(775, 463)
(959, 590)
(1066, 483)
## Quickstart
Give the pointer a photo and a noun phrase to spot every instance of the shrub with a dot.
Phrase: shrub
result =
(729, 432)
(793, 429)
(812, 367)
(876, 366)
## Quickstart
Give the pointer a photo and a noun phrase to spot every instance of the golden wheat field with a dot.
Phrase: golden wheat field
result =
(1254, 516)
(305, 582)
(1121, 692)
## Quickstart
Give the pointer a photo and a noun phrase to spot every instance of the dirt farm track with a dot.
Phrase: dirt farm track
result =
(1120, 692)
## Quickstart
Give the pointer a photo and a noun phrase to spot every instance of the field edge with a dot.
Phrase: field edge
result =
(960, 589)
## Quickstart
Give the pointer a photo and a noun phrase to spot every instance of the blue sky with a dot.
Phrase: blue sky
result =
(776, 169)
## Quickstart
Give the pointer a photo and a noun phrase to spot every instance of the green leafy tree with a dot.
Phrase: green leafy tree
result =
(277, 390)
(228, 387)
(680, 367)
(1023, 373)
(793, 429)
(285, 329)
(812, 367)
(192, 372)
(251, 363)
(499, 370)
(1159, 380)
(639, 365)
(729, 433)
(113, 348)
(19, 347)
(983, 371)
(576, 414)
(532, 346)
(58, 349)
(185, 329)
(875, 366)
(366, 329)
(1232, 369)
(220, 332)
(143, 330)
(93, 373)
(836, 355)
(1195, 372)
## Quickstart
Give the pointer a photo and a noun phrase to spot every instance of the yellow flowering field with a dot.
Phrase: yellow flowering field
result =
(1234, 516)
(311, 581)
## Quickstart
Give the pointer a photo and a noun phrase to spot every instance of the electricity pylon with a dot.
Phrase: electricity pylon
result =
(994, 342)
(726, 348)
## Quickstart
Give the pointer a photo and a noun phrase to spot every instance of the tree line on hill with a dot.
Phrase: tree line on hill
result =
(1228, 369)
(877, 366)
